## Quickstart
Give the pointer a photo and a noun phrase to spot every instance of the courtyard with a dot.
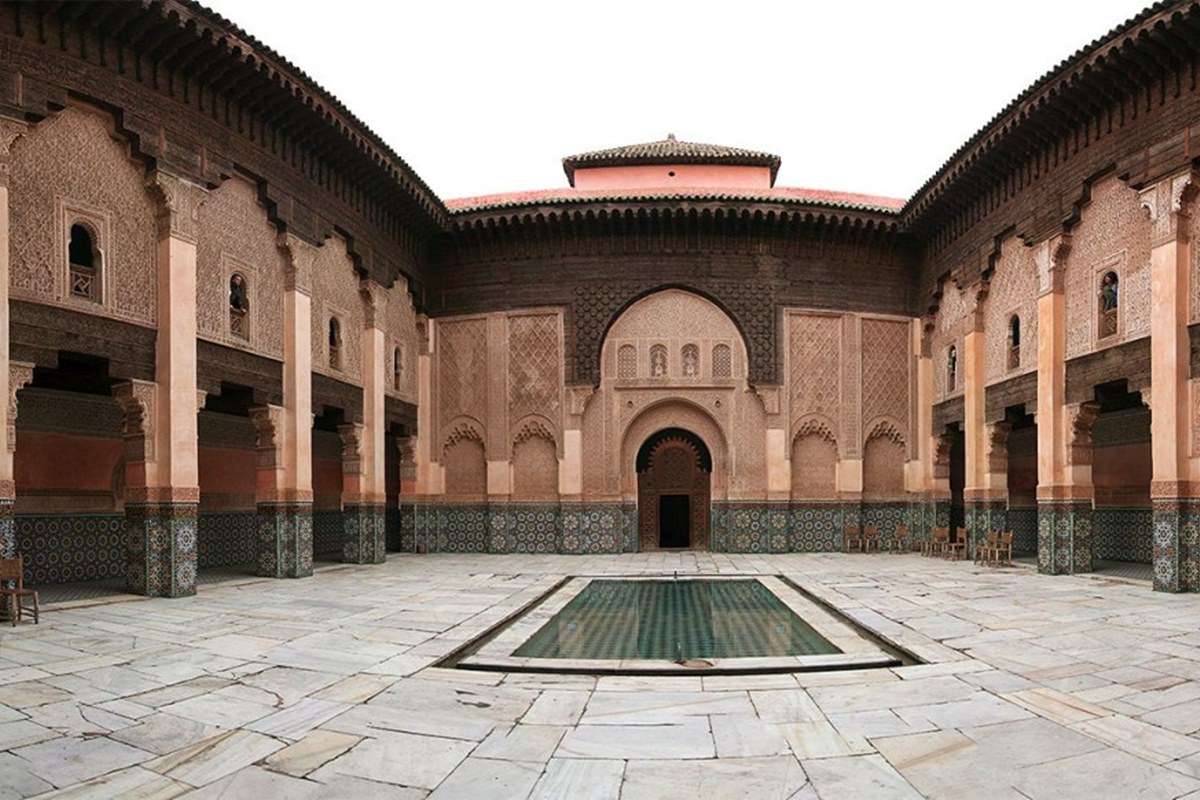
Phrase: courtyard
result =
(1034, 687)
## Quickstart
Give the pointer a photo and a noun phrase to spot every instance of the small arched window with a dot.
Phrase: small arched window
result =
(1109, 301)
(397, 368)
(627, 362)
(691, 361)
(722, 361)
(658, 361)
(239, 306)
(1014, 342)
(84, 259)
(951, 369)
(335, 343)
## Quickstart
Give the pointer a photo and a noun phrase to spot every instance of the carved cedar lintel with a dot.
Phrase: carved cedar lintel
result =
(268, 444)
(178, 204)
(137, 401)
(20, 375)
(300, 258)
(351, 434)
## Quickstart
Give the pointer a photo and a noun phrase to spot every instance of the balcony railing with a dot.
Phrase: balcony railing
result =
(83, 282)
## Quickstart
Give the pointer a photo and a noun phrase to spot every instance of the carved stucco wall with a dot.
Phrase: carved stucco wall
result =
(1113, 234)
(1013, 291)
(335, 291)
(950, 326)
(236, 236)
(401, 331)
(502, 374)
(626, 409)
(69, 168)
(848, 375)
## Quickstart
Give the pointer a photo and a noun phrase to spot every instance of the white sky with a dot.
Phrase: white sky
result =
(482, 97)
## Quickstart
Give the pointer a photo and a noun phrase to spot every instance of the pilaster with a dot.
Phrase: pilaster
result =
(1173, 496)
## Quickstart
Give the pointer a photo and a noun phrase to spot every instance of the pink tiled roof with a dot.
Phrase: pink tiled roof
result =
(793, 194)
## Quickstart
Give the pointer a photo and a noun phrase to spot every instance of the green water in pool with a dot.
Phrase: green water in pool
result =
(674, 620)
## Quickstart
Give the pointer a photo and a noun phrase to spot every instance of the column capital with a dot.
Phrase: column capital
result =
(1050, 259)
(300, 258)
(20, 375)
(179, 203)
(996, 438)
(375, 301)
(9, 134)
(268, 443)
(1081, 417)
(1166, 204)
(137, 400)
(351, 435)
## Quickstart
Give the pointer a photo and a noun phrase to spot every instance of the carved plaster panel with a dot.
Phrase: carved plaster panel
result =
(69, 163)
(1013, 293)
(1113, 234)
(336, 291)
(236, 236)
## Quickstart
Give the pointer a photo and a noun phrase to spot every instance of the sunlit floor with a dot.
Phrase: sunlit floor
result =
(1036, 686)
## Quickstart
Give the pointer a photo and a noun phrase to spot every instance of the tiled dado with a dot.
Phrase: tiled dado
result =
(1065, 536)
(1123, 534)
(226, 538)
(514, 527)
(160, 554)
(1024, 526)
(66, 548)
(788, 527)
(1176, 545)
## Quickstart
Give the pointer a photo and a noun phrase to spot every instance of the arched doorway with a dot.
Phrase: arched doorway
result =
(674, 477)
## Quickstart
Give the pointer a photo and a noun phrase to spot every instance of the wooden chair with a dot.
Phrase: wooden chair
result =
(13, 592)
(936, 543)
(870, 538)
(957, 547)
(1002, 552)
(984, 551)
(900, 543)
(852, 537)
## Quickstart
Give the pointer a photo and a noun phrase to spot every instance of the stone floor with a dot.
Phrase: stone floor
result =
(1037, 687)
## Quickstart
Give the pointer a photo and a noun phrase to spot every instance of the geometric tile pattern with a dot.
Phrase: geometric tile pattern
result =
(363, 535)
(285, 540)
(66, 548)
(161, 549)
(1064, 537)
(327, 534)
(1124, 534)
(226, 538)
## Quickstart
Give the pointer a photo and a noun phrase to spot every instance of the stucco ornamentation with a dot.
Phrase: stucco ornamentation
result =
(351, 436)
(268, 443)
(137, 400)
(20, 375)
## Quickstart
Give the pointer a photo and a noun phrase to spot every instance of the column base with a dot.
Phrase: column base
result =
(981, 518)
(1064, 536)
(1176, 544)
(364, 534)
(285, 540)
(160, 555)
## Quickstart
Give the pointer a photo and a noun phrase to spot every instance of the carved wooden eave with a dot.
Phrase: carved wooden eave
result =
(672, 217)
(1089, 86)
(176, 76)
